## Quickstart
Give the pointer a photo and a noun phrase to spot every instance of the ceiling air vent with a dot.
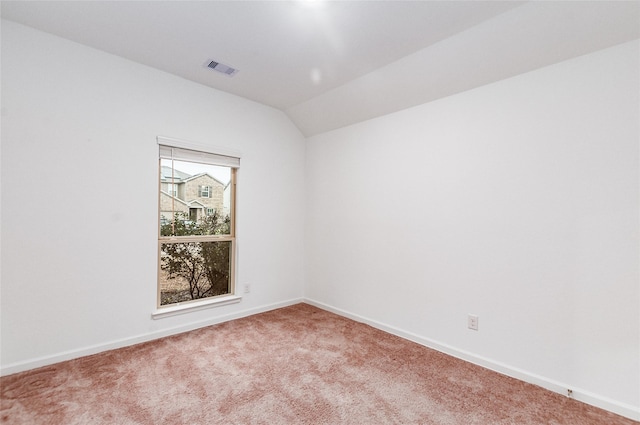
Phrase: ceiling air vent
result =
(220, 67)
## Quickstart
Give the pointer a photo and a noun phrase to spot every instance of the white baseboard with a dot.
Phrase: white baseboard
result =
(622, 409)
(125, 342)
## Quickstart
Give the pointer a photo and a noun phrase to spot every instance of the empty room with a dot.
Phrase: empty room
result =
(320, 212)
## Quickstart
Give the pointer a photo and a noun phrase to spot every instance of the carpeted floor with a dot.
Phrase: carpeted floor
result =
(295, 365)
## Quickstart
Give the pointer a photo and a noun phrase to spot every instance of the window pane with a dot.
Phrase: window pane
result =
(188, 191)
(194, 270)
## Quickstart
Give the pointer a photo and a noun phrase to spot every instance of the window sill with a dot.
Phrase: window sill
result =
(194, 306)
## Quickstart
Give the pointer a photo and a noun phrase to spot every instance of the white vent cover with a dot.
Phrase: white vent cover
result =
(220, 67)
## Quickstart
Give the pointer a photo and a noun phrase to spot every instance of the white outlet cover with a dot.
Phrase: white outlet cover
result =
(472, 322)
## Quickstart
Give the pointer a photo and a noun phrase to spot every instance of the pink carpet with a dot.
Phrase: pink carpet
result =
(295, 365)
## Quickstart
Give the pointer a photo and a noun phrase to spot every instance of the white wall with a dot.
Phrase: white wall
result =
(79, 197)
(516, 201)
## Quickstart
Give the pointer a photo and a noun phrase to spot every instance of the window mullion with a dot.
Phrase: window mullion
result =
(195, 238)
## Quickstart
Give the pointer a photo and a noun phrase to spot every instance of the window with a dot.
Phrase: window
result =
(196, 246)
(205, 191)
(172, 189)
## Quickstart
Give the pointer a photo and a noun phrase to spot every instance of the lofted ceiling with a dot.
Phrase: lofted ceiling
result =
(328, 64)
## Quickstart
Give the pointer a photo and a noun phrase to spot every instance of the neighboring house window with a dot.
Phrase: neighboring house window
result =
(172, 189)
(205, 191)
(196, 253)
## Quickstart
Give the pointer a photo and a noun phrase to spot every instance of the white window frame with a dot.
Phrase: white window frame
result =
(186, 151)
(172, 189)
(205, 191)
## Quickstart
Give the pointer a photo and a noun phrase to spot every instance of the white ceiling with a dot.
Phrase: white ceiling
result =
(330, 64)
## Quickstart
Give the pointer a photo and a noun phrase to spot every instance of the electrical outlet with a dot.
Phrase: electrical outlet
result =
(472, 322)
(247, 288)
